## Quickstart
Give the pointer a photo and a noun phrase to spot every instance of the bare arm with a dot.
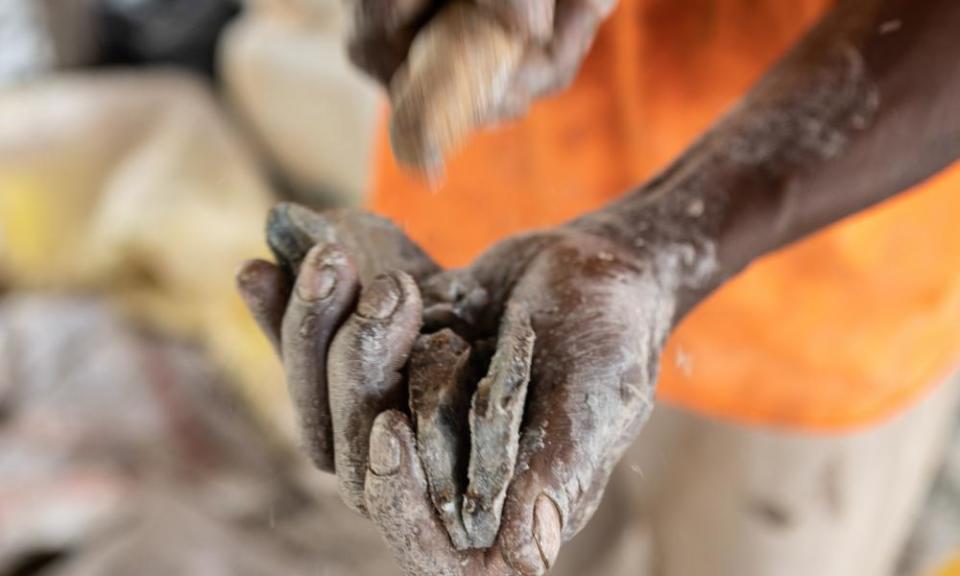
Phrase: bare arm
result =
(867, 105)
(864, 107)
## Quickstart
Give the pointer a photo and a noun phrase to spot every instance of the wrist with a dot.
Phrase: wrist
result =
(673, 228)
(738, 192)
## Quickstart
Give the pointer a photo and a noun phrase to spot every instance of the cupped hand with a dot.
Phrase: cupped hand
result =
(343, 309)
(463, 474)
(597, 318)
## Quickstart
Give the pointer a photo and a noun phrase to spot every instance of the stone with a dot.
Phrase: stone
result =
(440, 404)
(495, 417)
(127, 453)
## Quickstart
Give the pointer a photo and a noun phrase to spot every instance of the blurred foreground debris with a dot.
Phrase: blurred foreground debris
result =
(124, 453)
(136, 187)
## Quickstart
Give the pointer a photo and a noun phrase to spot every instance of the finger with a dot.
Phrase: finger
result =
(381, 32)
(323, 297)
(569, 447)
(397, 499)
(440, 404)
(379, 55)
(553, 68)
(365, 363)
(532, 18)
(544, 488)
(495, 417)
(375, 245)
(594, 389)
(265, 290)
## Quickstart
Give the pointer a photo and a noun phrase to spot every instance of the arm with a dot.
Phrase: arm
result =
(860, 110)
(867, 105)
(850, 117)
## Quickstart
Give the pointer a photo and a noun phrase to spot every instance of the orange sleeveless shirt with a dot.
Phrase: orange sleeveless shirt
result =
(840, 330)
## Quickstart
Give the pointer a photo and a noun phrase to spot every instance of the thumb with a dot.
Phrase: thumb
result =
(533, 521)
(398, 500)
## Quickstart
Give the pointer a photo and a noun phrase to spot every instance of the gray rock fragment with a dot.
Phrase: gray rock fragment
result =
(495, 419)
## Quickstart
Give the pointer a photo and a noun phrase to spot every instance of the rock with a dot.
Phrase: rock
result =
(314, 115)
(440, 394)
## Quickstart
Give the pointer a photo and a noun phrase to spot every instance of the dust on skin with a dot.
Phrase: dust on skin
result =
(440, 392)
(604, 291)
(495, 417)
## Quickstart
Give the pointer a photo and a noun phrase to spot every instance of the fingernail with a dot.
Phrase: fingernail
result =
(384, 451)
(546, 529)
(316, 283)
(381, 299)
(318, 275)
(249, 276)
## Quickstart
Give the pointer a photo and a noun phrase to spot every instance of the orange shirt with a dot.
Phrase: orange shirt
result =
(837, 331)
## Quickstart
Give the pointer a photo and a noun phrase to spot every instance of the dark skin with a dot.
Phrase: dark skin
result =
(558, 34)
(867, 105)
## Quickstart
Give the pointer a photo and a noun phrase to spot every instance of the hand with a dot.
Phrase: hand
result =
(343, 310)
(575, 315)
(599, 317)
(558, 34)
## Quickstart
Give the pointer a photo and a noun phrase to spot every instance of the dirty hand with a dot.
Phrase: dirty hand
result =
(343, 309)
(557, 35)
(599, 317)
(577, 324)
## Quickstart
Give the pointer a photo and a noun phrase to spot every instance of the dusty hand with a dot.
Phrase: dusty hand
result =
(577, 326)
(344, 327)
(599, 318)
(451, 66)
(557, 35)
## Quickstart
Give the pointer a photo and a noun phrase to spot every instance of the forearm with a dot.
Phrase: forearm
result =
(867, 105)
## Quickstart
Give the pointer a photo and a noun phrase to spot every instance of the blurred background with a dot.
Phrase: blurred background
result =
(144, 423)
